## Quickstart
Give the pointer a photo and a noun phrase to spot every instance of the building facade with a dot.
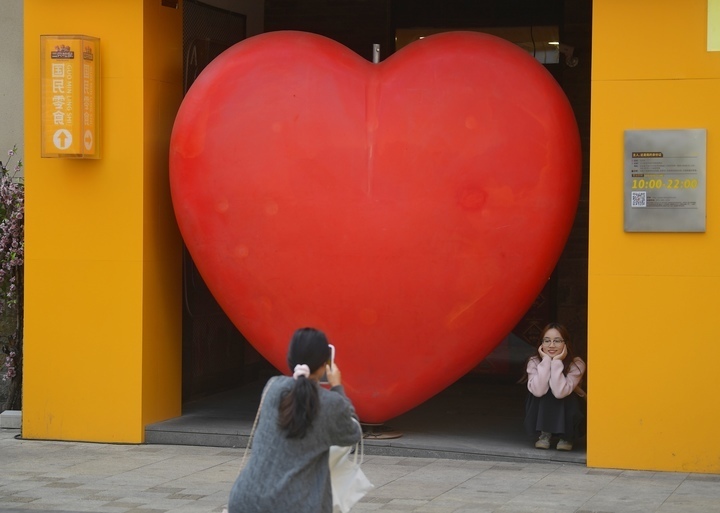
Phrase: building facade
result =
(103, 319)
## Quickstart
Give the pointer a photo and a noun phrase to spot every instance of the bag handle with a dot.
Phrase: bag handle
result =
(360, 443)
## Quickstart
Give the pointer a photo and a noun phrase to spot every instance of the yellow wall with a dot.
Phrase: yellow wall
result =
(102, 292)
(653, 348)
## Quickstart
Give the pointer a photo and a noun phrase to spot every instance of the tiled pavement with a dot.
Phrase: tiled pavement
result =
(69, 476)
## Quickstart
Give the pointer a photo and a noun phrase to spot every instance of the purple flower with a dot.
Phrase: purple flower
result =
(12, 243)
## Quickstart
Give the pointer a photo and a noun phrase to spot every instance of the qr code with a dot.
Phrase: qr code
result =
(639, 199)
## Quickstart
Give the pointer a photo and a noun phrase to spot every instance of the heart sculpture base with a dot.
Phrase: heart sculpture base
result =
(379, 432)
(411, 209)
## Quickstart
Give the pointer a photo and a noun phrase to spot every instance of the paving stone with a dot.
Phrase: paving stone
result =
(18, 499)
(123, 505)
(703, 477)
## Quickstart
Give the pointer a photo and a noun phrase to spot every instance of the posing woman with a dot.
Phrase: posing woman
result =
(553, 377)
(298, 422)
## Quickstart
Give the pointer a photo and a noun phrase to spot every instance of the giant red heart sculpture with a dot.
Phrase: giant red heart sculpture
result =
(412, 209)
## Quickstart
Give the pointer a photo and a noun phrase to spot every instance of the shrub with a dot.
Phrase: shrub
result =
(12, 253)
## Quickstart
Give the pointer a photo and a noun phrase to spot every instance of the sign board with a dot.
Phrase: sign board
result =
(665, 187)
(70, 96)
(713, 26)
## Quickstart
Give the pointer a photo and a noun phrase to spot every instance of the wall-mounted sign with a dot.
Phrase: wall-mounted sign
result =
(713, 26)
(70, 77)
(665, 180)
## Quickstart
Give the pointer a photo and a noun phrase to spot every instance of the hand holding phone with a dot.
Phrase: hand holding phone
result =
(325, 380)
(334, 376)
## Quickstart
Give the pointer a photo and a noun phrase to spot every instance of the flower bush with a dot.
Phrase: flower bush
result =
(10, 373)
(12, 252)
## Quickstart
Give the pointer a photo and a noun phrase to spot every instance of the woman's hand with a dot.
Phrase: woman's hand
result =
(334, 376)
(562, 354)
(542, 353)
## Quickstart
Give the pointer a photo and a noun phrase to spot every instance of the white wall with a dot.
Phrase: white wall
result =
(11, 77)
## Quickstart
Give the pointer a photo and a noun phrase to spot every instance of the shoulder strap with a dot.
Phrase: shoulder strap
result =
(257, 416)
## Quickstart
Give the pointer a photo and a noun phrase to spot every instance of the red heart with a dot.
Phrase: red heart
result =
(412, 209)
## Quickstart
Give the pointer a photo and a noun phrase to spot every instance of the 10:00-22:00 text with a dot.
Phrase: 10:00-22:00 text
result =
(667, 184)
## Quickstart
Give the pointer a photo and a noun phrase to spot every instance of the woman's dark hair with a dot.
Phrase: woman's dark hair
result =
(299, 406)
(565, 334)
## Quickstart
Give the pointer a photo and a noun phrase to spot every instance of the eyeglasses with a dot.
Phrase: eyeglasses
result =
(556, 341)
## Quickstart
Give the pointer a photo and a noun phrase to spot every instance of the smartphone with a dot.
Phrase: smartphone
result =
(331, 362)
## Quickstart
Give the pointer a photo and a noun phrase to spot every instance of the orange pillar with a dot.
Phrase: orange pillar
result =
(103, 254)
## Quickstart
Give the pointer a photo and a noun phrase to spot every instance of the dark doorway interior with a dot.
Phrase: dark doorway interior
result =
(216, 357)
(215, 354)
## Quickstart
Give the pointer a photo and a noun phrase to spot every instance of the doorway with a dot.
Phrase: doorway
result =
(221, 370)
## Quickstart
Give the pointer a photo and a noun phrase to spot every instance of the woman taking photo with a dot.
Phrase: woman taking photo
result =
(552, 407)
(298, 422)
